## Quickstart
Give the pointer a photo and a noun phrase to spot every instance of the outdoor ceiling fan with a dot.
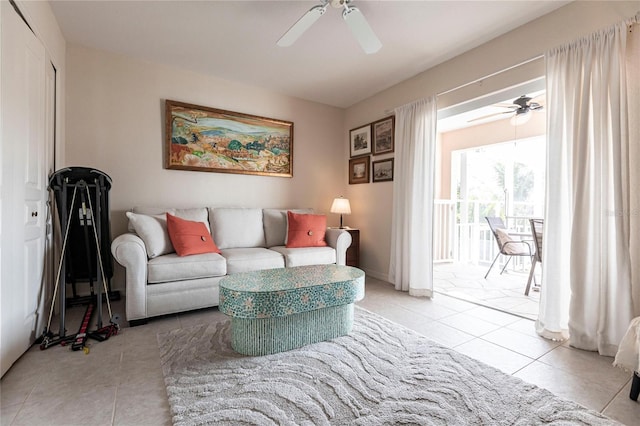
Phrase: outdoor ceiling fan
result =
(521, 106)
(351, 15)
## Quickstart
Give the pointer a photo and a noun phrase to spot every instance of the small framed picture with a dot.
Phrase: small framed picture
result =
(382, 170)
(383, 131)
(359, 170)
(360, 140)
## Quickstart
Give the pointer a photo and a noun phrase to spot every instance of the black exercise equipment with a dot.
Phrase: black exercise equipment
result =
(82, 201)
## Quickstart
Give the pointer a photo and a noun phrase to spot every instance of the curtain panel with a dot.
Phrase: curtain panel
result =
(587, 275)
(411, 259)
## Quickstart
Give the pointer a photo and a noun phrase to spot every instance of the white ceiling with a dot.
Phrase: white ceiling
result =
(236, 40)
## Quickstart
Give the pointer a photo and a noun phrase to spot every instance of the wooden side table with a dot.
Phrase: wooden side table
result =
(353, 252)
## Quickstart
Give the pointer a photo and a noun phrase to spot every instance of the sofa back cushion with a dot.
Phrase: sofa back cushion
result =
(233, 227)
(150, 224)
(153, 231)
(198, 214)
(275, 225)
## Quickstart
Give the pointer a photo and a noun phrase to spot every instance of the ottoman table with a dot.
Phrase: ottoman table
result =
(277, 310)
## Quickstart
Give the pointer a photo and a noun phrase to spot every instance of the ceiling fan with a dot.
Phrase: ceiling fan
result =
(521, 106)
(351, 15)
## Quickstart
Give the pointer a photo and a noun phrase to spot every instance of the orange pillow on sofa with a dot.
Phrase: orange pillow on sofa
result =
(306, 230)
(190, 237)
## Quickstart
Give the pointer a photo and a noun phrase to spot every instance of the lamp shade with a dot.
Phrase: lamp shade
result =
(341, 206)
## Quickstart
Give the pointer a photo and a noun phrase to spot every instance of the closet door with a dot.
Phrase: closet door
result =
(23, 184)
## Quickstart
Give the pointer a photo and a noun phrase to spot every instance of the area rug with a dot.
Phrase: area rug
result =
(381, 374)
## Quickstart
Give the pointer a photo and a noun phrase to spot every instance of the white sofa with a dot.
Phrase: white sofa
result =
(160, 282)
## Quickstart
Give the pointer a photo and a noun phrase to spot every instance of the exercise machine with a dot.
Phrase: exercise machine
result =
(81, 196)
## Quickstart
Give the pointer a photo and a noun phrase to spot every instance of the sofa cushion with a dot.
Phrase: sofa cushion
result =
(190, 237)
(275, 225)
(198, 214)
(237, 227)
(306, 230)
(153, 231)
(306, 255)
(172, 267)
(251, 259)
(151, 225)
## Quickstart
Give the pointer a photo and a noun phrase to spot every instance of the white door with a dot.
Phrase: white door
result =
(23, 185)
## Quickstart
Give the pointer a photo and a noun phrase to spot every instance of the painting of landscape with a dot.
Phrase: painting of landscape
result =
(207, 139)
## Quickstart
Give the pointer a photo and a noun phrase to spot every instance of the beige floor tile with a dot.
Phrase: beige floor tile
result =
(443, 334)
(524, 326)
(8, 413)
(494, 355)
(427, 307)
(624, 409)
(453, 304)
(590, 365)
(594, 395)
(85, 403)
(493, 316)
(121, 379)
(468, 324)
(533, 347)
(142, 404)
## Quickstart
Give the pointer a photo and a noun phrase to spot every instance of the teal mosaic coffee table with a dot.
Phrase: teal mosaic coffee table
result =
(277, 310)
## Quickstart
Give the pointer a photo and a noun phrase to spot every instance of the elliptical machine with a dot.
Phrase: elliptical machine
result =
(81, 196)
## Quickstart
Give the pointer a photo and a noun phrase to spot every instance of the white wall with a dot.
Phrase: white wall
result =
(371, 203)
(115, 123)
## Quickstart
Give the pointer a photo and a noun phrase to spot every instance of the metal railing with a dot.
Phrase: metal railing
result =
(461, 233)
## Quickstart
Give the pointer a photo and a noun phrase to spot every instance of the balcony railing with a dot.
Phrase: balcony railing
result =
(461, 233)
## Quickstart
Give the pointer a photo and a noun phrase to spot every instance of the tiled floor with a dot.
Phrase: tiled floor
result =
(120, 381)
(504, 292)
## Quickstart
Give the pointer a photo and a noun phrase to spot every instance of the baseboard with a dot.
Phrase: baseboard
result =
(376, 274)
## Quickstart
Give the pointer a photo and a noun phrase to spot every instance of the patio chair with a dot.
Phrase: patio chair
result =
(537, 229)
(507, 246)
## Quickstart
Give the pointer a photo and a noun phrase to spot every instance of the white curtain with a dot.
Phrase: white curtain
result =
(411, 260)
(587, 278)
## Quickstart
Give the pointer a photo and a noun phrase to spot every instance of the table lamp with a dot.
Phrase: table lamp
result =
(341, 205)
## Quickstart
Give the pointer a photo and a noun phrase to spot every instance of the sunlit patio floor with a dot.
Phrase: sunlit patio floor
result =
(503, 292)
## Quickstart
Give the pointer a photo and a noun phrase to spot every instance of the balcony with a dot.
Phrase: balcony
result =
(464, 248)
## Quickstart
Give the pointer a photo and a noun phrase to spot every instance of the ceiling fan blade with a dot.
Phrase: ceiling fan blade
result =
(302, 25)
(507, 106)
(490, 115)
(361, 30)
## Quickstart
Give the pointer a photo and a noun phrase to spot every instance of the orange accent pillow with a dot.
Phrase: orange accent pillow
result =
(306, 230)
(190, 237)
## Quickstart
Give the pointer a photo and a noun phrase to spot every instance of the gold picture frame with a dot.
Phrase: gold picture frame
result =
(207, 139)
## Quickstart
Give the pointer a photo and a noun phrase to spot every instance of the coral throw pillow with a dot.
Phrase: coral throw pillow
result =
(190, 237)
(306, 230)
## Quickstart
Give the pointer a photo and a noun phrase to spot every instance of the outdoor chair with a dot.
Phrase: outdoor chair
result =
(507, 246)
(537, 229)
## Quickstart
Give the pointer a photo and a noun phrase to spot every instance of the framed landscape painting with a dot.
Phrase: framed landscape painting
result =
(360, 140)
(383, 131)
(382, 170)
(359, 170)
(214, 140)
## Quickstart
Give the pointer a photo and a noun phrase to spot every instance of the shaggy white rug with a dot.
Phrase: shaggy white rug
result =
(381, 374)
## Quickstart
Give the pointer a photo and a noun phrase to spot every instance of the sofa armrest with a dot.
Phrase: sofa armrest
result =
(340, 240)
(130, 252)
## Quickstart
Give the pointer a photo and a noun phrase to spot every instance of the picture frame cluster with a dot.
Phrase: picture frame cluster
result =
(375, 138)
